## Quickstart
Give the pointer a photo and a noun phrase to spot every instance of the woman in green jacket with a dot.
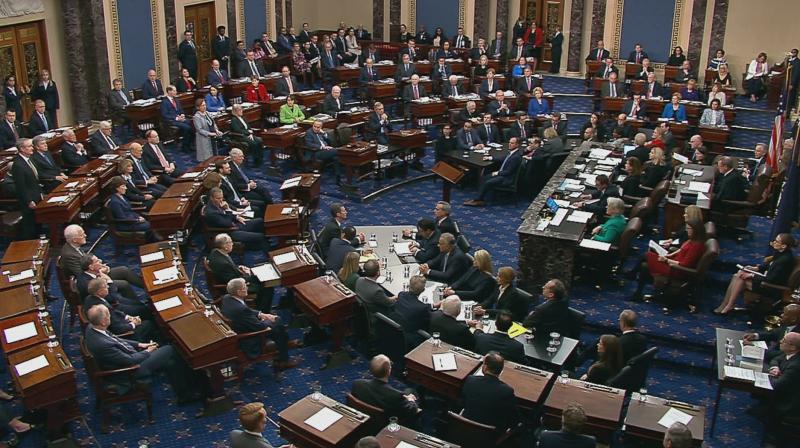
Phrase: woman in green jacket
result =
(611, 230)
(290, 112)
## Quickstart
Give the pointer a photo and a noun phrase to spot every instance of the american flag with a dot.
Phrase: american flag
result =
(776, 143)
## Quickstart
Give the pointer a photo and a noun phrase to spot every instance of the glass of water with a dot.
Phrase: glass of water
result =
(316, 394)
(436, 341)
(643, 394)
(393, 426)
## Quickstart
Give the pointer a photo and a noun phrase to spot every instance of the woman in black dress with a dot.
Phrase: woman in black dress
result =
(609, 362)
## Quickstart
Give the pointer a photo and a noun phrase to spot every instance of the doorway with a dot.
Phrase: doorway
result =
(201, 20)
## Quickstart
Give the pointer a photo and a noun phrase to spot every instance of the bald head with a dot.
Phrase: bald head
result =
(451, 306)
(380, 367)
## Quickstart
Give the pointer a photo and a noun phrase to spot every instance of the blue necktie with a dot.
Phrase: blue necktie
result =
(244, 176)
(44, 121)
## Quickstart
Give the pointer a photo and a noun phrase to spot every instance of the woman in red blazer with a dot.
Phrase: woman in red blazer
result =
(256, 93)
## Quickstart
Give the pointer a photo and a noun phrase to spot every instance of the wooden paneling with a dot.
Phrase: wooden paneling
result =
(548, 14)
(201, 20)
(23, 52)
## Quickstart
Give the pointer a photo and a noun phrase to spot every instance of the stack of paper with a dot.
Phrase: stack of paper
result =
(31, 365)
(560, 214)
(580, 216)
(155, 256)
(402, 249)
(265, 272)
(166, 275)
(285, 258)
(291, 182)
(674, 416)
(443, 362)
(57, 199)
(26, 274)
(166, 304)
(657, 248)
(592, 244)
(323, 419)
(599, 153)
(739, 373)
(702, 187)
(20, 332)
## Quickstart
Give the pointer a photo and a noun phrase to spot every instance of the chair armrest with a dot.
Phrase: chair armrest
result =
(129, 370)
(686, 270)
(424, 334)
(774, 287)
(262, 332)
(222, 229)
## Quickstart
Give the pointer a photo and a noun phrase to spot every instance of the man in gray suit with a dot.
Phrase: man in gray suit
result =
(253, 418)
(71, 254)
(371, 292)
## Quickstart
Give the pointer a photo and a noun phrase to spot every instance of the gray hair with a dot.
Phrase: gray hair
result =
(221, 240)
(639, 139)
(448, 238)
(416, 285)
(616, 204)
(38, 139)
(679, 434)
(236, 152)
(105, 124)
(451, 306)
(235, 284)
(71, 231)
(96, 284)
(445, 206)
(96, 313)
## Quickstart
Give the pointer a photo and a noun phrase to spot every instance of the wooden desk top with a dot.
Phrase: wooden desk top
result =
(44, 328)
(602, 407)
(164, 247)
(19, 299)
(183, 189)
(169, 206)
(87, 187)
(642, 417)
(388, 439)
(422, 356)
(205, 341)
(148, 274)
(7, 270)
(343, 433)
(323, 299)
(528, 383)
(19, 251)
(57, 365)
(189, 303)
(302, 258)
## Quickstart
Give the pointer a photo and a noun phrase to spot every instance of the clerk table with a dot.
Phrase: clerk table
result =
(20, 300)
(641, 419)
(327, 302)
(603, 406)
(419, 364)
(344, 433)
(389, 439)
(42, 326)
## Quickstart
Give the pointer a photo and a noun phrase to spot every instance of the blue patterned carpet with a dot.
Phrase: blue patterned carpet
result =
(681, 371)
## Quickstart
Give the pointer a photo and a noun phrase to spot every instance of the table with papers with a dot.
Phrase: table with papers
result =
(430, 366)
(322, 423)
(649, 417)
(691, 184)
(164, 275)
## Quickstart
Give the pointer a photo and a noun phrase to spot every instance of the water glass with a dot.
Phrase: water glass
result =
(564, 378)
(317, 392)
(52, 342)
(436, 341)
(393, 426)
(394, 237)
(208, 311)
(643, 394)
(144, 443)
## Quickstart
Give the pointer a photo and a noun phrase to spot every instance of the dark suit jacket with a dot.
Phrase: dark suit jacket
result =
(509, 171)
(214, 80)
(330, 107)
(36, 125)
(786, 394)
(98, 145)
(551, 315)
(244, 320)
(448, 225)
(428, 248)
(337, 250)
(474, 285)
(70, 157)
(592, 56)
(640, 152)
(487, 400)
(110, 354)
(380, 394)
(331, 230)
(27, 185)
(170, 112)
(408, 93)
(527, 52)
(246, 70)
(223, 266)
(46, 166)
(494, 109)
(485, 89)
(730, 187)
(329, 63)
(150, 158)
(436, 71)
(221, 47)
(412, 315)
(217, 217)
(311, 139)
(366, 54)
(657, 89)
(632, 56)
(140, 172)
(511, 349)
(521, 85)
(511, 300)
(496, 137)
(119, 324)
(402, 72)
(149, 92)
(465, 115)
(561, 439)
(628, 107)
(122, 211)
(187, 55)
(452, 331)
(461, 137)
(48, 95)
(633, 344)
(242, 439)
(7, 138)
(365, 77)
(449, 90)
(282, 87)
(779, 269)
(375, 129)
(599, 207)
(605, 90)
(457, 264)
(602, 71)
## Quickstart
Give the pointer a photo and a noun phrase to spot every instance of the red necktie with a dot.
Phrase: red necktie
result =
(599, 55)
(172, 100)
(529, 83)
(416, 93)
(637, 58)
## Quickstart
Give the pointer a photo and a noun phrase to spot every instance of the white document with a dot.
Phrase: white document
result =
(166, 304)
(166, 274)
(752, 351)
(443, 362)
(592, 244)
(762, 381)
(20, 332)
(561, 203)
(560, 215)
(402, 249)
(57, 199)
(740, 267)
(31, 365)
(701, 187)
(674, 416)
(108, 157)
(692, 172)
(26, 274)
(323, 419)
(285, 258)
(71, 185)
(761, 344)
(588, 179)
(291, 182)
(287, 210)
(580, 216)
(405, 445)
(739, 373)
(657, 248)
(599, 153)
(155, 256)
(265, 272)
(611, 161)
(192, 175)
(680, 158)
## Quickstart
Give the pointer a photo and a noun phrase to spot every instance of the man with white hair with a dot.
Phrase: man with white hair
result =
(450, 330)
(102, 142)
(678, 435)
(73, 250)
(225, 269)
(241, 132)
(451, 88)
(72, 153)
(50, 173)
(760, 166)
(333, 103)
(251, 189)
(377, 392)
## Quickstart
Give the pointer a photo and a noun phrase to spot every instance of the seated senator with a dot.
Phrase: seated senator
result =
(505, 297)
(377, 392)
(609, 361)
(478, 282)
(675, 110)
(612, 228)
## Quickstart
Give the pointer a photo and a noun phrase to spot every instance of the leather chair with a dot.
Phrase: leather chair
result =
(463, 243)
(769, 297)
(216, 288)
(733, 216)
(377, 417)
(72, 298)
(9, 224)
(623, 248)
(269, 350)
(513, 189)
(122, 237)
(633, 376)
(689, 282)
(576, 320)
(390, 340)
(471, 434)
(110, 391)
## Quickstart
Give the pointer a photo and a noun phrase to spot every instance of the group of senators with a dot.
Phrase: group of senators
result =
(122, 331)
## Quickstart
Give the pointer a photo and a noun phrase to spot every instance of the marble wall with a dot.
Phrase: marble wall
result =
(718, 22)
(698, 23)
(501, 20)
(598, 22)
(278, 15)
(87, 59)
(481, 23)
(170, 22)
(575, 30)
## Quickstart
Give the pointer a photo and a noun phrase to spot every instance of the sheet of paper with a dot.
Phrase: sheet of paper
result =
(680, 158)
(559, 217)
(285, 258)
(700, 187)
(611, 161)
(108, 156)
(762, 381)
(166, 304)
(561, 203)
(402, 248)
(287, 210)
(26, 274)
(71, 184)
(592, 244)
(289, 183)
(323, 419)
(588, 179)
(405, 445)
(753, 365)
(155, 256)
(761, 344)
(20, 332)
(751, 351)
(57, 199)
(166, 274)
(599, 153)
(674, 416)
(192, 175)
(443, 362)
(657, 248)
(265, 272)
(31, 365)
(739, 373)
(516, 330)
(692, 172)
(580, 216)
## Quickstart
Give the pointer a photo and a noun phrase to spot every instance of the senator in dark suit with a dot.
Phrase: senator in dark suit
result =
(785, 376)
(487, 399)
(38, 122)
(26, 181)
(506, 297)
(522, 129)
(73, 154)
(489, 132)
(333, 228)
(125, 217)
(467, 137)
(142, 177)
(119, 294)
(187, 54)
(377, 392)
(477, 283)
(449, 265)
(47, 91)
(450, 330)
(252, 190)
(412, 314)
(103, 141)
(378, 125)
(426, 245)
(50, 173)
(10, 130)
(172, 115)
(333, 103)
(598, 54)
(730, 185)
(241, 132)
(631, 340)
(499, 342)
(603, 191)
(374, 297)
(216, 75)
(340, 247)
(151, 87)
(553, 314)
(790, 323)
(159, 161)
(505, 176)
(368, 74)
(120, 321)
(218, 214)
(573, 418)
(413, 91)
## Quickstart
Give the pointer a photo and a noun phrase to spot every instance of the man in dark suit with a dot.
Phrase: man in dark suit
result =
(333, 228)
(784, 374)
(573, 417)
(476, 52)
(374, 297)
(142, 177)
(790, 323)
(320, 145)
(653, 88)
(500, 107)
(120, 294)
(412, 314)
(486, 397)
(505, 176)
(451, 330)
(371, 52)
(411, 50)
(253, 418)
(377, 392)
(612, 88)
(250, 67)
(120, 321)
(26, 180)
(151, 87)
(378, 125)
(111, 352)
(251, 189)
(526, 83)
(449, 265)
(231, 193)
(158, 161)
(241, 132)
(469, 113)
(441, 71)
(422, 36)
(284, 41)
(221, 48)
(467, 138)
(452, 87)
(305, 34)
(488, 131)
(497, 48)
(637, 55)
(172, 115)
(511, 349)
(445, 223)
(362, 33)
(217, 76)
(73, 154)
(102, 142)
(603, 191)
(606, 70)
(237, 58)
(118, 100)
(187, 54)
(635, 107)
(333, 102)
(598, 53)
(50, 173)
(520, 50)
(621, 126)
(522, 129)
(460, 40)
(72, 252)
(426, 246)
(225, 270)
(38, 123)
(553, 313)
(556, 42)
(340, 247)
(217, 213)
(329, 58)
(10, 130)
(641, 152)
(730, 185)
(244, 319)
(286, 84)
(405, 68)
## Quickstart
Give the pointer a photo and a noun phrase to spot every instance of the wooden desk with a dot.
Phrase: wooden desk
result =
(356, 155)
(102, 169)
(20, 300)
(145, 114)
(87, 188)
(190, 190)
(299, 270)
(529, 384)
(592, 67)
(282, 139)
(429, 109)
(306, 192)
(355, 117)
(165, 247)
(189, 303)
(43, 326)
(613, 105)
(148, 275)
(328, 123)
(54, 143)
(291, 225)
(679, 182)
(15, 268)
(376, 90)
(309, 98)
(419, 363)
(715, 138)
(632, 69)
(641, 419)
(169, 215)
(346, 74)
(603, 406)
(409, 138)
(52, 388)
(327, 304)
(387, 439)
(58, 215)
(344, 433)
(28, 250)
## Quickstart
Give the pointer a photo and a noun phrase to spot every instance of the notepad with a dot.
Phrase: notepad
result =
(26, 274)
(405, 445)
(657, 248)
(402, 249)
(680, 158)
(599, 153)
(762, 381)
(739, 373)
(323, 419)
(701, 187)
(265, 272)
(31, 365)
(57, 199)
(285, 258)
(752, 351)
(592, 244)
(166, 304)
(580, 216)
(20, 332)
(444, 362)
(155, 256)
(559, 217)
(674, 416)
(166, 274)
(192, 175)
